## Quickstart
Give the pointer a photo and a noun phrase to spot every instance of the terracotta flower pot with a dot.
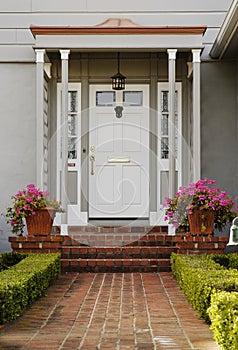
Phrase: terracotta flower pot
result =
(41, 223)
(201, 222)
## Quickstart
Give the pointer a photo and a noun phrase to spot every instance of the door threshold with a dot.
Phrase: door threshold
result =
(119, 222)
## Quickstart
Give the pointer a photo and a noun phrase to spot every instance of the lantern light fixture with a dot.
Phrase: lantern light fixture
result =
(118, 80)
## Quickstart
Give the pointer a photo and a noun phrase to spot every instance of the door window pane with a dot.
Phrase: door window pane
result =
(72, 127)
(133, 98)
(72, 148)
(105, 98)
(73, 101)
(165, 101)
(164, 148)
(165, 124)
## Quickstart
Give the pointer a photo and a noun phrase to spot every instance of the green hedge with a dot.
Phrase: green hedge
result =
(199, 275)
(223, 313)
(210, 283)
(9, 259)
(26, 281)
(226, 260)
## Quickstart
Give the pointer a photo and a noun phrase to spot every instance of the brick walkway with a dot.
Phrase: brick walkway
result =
(110, 311)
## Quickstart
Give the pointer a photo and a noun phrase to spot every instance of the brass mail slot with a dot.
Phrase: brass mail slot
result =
(119, 160)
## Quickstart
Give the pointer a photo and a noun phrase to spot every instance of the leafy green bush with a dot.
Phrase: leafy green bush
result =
(227, 260)
(198, 276)
(210, 283)
(223, 313)
(26, 281)
(9, 259)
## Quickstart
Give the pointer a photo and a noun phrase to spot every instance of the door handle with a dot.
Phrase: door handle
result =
(92, 160)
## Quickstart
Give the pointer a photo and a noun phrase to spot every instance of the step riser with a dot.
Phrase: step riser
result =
(113, 265)
(117, 269)
(115, 240)
(76, 253)
(116, 256)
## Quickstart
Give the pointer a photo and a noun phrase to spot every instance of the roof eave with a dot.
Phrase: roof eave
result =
(226, 32)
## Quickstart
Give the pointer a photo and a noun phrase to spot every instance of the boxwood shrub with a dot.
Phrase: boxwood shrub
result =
(199, 275)
(226, 260)
(9, 259)
(26, 281)
(210, 283)
(223, 313)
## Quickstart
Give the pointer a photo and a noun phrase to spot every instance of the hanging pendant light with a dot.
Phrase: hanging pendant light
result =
(118, 80)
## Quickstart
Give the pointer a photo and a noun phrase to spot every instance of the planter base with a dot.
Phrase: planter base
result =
(41, 223)
(201, 222)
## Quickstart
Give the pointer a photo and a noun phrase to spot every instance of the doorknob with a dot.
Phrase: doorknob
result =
(92, 160)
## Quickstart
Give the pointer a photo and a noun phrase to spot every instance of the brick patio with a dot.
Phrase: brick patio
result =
(137, 311)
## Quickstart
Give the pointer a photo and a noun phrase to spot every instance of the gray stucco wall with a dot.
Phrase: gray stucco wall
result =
(17, 135)
(219, 124)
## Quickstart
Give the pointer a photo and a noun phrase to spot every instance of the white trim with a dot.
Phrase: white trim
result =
(39, 117)
(75, 216)
(107, 41)
(196, 56)
(40, 55)
(172, 54)
(64, 54)
(196, 117)
(172, 161)
(47, 69)
(163, 164)
(64, 132)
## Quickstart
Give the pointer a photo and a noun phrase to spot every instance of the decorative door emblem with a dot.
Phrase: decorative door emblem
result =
(118, 110)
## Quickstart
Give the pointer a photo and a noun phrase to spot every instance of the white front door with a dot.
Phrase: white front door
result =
(119, 152)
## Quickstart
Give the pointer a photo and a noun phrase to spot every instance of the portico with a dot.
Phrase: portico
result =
(172, 107)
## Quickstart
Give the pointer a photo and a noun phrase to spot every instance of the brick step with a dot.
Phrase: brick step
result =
(117, 229)
(115, 265)
(110, 239)
(76, 252)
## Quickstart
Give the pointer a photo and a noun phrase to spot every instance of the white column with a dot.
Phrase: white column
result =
(39, 116)
(196, 115)
(64, 132)
(172, 160)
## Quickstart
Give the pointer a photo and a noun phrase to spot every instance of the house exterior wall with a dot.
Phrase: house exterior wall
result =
(17, 134)
(219, 126)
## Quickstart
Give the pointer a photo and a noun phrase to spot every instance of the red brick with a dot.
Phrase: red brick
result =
(91, 262)
(51, 245)
(65, 263)
(205, 245)
(178, 239)
(155, 229)
(101, 262)
(74, 263)
(15, 246)
(126, 262)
